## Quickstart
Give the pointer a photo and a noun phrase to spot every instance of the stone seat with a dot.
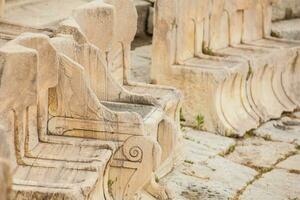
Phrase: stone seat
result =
(78, 25)
(143, 110)
(246, 51)
(121, 100)
(167, 98)
(80, 118)
(45, 183)
(138, 116)
(81, 26)
(42, 167)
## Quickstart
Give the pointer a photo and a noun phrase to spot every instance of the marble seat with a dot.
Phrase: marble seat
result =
(80, 26)
(35, 162)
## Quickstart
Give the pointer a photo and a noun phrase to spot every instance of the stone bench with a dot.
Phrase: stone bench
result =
(76, 124)
(221, 55)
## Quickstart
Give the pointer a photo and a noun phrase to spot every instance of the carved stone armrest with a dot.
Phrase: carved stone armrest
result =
(136, 160)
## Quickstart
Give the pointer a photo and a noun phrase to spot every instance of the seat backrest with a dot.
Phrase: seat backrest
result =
(235, 21)
(181, 30)
(192, 18)
(114, 55)
(164, 43)
(125, 27)
(95, 65)
(18, 91)
(258, 20)
(201, 24)
(120, 18)
(47, 77)
(95, 19)
(91, 59)
(226, 23)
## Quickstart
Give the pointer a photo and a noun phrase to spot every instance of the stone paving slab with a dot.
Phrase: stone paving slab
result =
(204, 174)
(216, 178)
(292, 163)
(257, 152)
(214, 144)
(275, 185)
(200, 146)
(284, 130)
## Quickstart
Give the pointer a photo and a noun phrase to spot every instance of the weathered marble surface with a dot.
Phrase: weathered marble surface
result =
(220, 54)
(292, 163)
(257, 152)
(205, 174)
(283, 130)
(275, 185)
(80, 134)
(250, 168)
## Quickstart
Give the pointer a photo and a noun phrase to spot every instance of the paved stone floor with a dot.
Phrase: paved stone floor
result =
(264, 165)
